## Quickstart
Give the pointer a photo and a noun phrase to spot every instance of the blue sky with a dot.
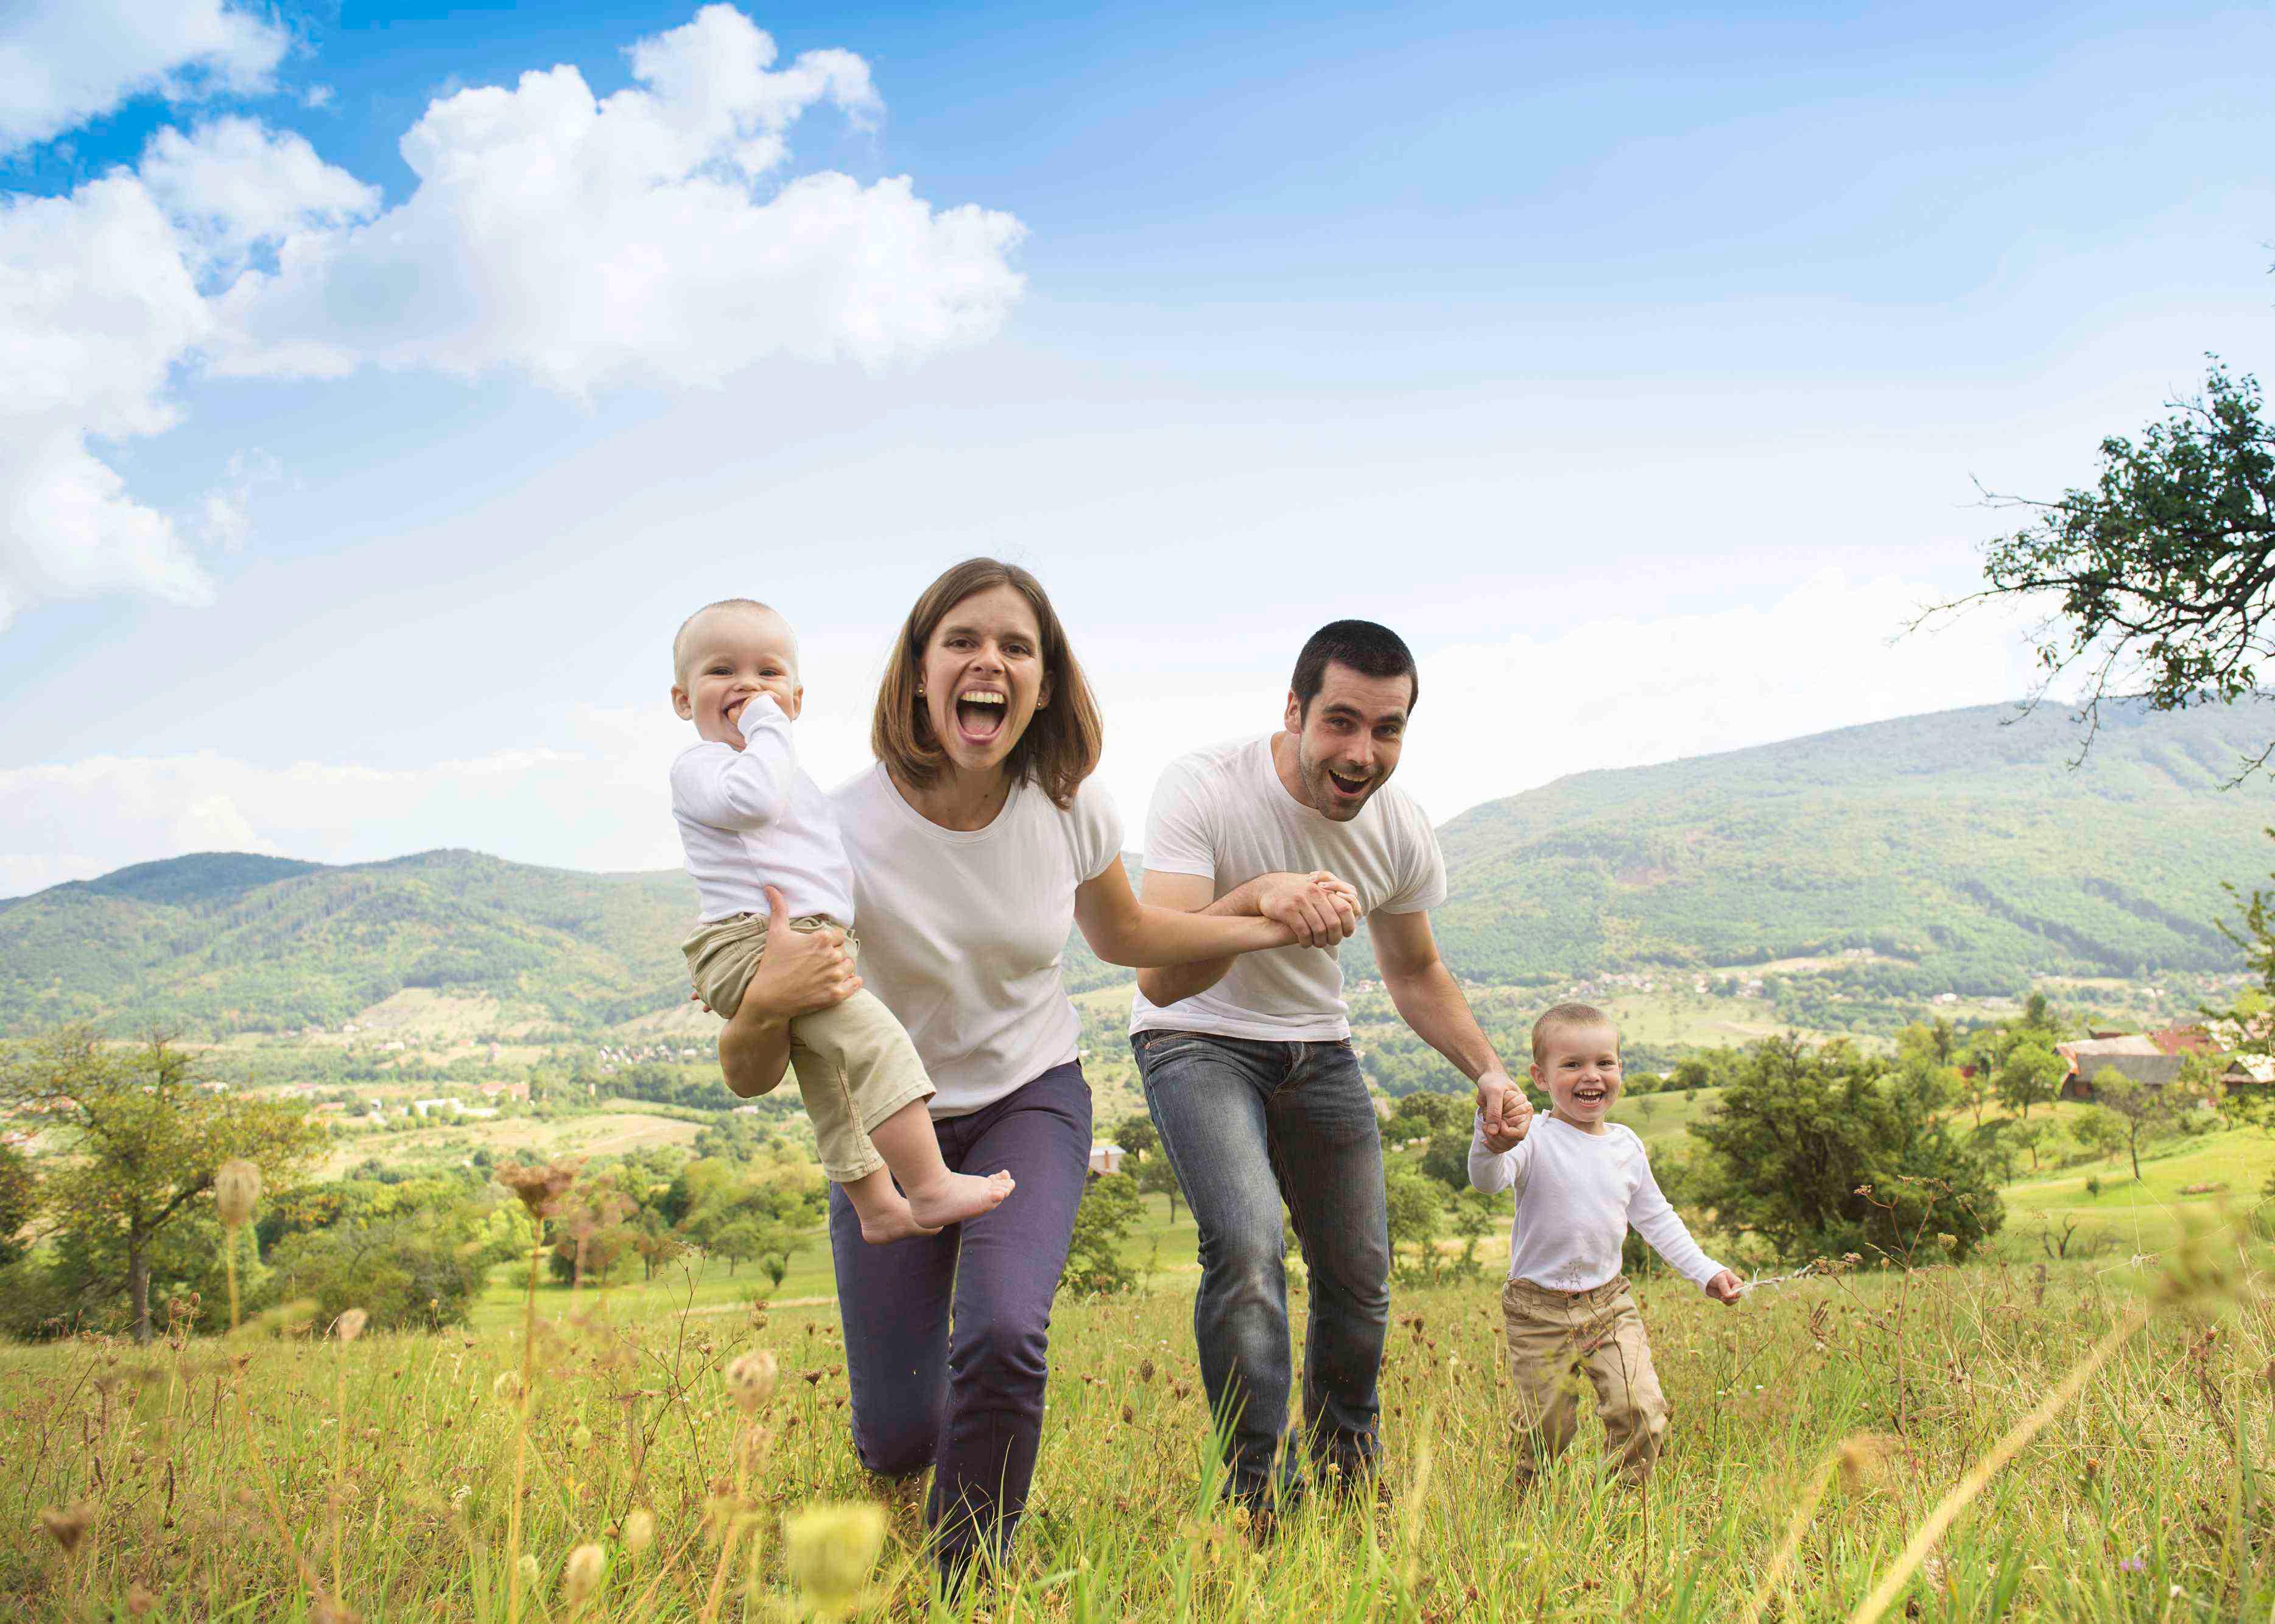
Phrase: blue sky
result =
(1636, 365)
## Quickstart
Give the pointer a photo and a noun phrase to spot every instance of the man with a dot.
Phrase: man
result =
(1248, 1065)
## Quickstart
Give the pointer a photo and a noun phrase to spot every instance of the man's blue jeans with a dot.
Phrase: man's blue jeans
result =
(1246, 1124)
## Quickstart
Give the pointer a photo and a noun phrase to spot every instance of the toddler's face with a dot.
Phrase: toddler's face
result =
(733, 654)
(1579, 1066)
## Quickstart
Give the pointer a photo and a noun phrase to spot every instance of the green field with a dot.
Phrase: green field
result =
(2128, 1217)
(384, 1473)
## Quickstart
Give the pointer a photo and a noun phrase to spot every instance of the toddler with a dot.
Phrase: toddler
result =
(750, 817)
(1580, 1182)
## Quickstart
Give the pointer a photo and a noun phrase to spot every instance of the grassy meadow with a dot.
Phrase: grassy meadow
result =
(1818, 1424)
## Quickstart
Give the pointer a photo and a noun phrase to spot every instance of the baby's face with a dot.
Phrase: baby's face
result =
(734, 653)
(1579, 1066)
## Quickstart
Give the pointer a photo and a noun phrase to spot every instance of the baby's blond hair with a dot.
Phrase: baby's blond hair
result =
(679, 637)
(1564, 1017)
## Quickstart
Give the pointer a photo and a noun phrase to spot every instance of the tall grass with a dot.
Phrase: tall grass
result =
(2093, 1460)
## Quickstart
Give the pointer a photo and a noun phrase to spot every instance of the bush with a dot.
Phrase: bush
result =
(413, 1273)
(1094, 1264)
(1822, 1151)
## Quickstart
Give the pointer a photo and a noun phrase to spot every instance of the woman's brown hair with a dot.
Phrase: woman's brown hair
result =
(1061, 743)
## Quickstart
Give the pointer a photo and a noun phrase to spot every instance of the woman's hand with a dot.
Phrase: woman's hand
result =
(799, 972)
(1317, 910)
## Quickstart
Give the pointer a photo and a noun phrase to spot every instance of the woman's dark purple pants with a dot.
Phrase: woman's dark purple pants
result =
(947, 1335)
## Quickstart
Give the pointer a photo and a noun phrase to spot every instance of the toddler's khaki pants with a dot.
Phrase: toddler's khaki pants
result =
(1555, 1338)
(855, 1064)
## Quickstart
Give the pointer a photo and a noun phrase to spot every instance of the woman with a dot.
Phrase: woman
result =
(978, 843)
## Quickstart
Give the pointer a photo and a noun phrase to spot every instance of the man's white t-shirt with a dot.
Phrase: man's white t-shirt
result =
(963, 931)
(1223, 814)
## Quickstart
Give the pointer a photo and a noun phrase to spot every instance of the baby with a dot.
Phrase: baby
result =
(1580, 1182)
(750, 818)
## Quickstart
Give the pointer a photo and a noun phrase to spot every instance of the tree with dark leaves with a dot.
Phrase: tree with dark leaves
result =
(2162, 576)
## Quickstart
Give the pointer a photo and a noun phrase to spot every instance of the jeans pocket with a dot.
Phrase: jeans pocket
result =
(1154, 1044)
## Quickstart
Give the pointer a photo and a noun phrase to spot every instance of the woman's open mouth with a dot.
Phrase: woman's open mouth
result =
(980, 714)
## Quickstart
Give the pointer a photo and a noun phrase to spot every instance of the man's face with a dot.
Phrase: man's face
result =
(1579, 1066)
(732, 654)
(1348, 739)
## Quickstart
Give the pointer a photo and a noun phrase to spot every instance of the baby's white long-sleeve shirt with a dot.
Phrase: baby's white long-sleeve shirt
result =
(751, 818)
(1577, 1193)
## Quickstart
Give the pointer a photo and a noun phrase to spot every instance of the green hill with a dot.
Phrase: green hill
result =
(1963, 847)
(1960, 854)
(224, 942)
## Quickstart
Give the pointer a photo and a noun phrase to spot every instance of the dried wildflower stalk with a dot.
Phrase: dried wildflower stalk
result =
(237, 1191)
(829, 1551)
(1856, 1461)
(587, 1564)
(541, 1190)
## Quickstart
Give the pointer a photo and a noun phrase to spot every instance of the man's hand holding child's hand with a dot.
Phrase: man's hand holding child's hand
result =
(1726, 1287)
(1503, 1112)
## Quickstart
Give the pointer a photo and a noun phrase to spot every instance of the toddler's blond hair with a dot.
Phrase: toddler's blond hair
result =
(679, 637)
(1563, 1018)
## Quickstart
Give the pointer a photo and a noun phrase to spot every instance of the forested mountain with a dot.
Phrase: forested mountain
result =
(1973, 846)
(227, 941)
(1969, 855)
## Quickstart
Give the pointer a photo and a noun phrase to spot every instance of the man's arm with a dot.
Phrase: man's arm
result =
(1318, 909)
(1430, 1000)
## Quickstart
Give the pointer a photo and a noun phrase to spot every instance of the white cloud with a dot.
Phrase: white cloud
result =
(583, 242)
(1494, 720)
(233, 184)
(225, 517)
(1622, 693)
(69, 822)
(588, 242)
(99, 305)
(96, 306)
(63, 62)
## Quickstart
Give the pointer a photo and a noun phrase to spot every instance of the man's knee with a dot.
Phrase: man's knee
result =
(1245, 1265)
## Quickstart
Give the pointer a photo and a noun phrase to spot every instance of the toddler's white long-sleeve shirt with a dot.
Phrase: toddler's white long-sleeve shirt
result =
(1577, 1193)
(751, 818)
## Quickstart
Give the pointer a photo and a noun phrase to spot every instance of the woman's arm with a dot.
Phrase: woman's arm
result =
(1318, 910)
(799, 972)
(1121, 930)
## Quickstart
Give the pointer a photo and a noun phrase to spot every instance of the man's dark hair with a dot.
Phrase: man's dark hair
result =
(1366, 648)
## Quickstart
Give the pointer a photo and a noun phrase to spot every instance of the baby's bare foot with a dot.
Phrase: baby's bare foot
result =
(893, 1222)
(959, 1195)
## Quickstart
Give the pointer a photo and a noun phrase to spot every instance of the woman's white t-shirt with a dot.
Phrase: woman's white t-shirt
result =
(963, 931)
